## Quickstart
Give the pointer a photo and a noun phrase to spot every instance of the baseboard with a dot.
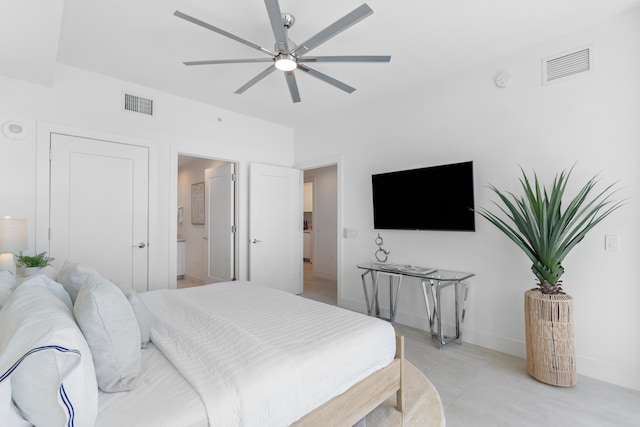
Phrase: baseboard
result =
(623, 376)
(353, 305)
(501, 344)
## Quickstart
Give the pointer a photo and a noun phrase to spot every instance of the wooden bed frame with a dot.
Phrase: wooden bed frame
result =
(355, 403)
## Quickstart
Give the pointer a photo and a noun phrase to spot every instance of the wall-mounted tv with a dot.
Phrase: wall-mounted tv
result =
(431, 198)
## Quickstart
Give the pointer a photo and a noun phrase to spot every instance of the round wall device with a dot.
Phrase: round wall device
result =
(14, 130)
(503, 79)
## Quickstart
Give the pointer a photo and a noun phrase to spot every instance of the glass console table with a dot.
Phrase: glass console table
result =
(433, 281)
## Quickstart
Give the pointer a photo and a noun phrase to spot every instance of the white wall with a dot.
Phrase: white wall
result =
(590, 119)
(90, 104)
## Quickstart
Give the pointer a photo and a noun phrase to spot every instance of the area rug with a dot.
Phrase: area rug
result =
(423, 407)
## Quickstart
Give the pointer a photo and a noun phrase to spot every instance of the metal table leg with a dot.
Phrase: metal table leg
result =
(394, 305)
(375, 304)
(366, 294)
(439, 315)
(460, 311)
(426, 302)
(373, 307)
(457, 313)
(464, 307)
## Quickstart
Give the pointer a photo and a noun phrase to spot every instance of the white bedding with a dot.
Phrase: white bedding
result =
(261, 357)
(161, 398)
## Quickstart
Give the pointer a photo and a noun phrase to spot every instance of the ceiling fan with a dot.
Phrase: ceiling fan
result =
(286, 55)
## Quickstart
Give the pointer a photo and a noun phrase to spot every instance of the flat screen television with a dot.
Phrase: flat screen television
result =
(431, 198)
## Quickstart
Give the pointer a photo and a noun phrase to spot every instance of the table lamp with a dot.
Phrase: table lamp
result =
(13, 239)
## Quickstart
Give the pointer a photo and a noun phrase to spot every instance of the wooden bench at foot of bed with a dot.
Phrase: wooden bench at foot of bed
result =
(362, 398)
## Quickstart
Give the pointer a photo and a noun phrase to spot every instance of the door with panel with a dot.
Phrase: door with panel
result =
(275, 227)
(220, 222)
(99, 204)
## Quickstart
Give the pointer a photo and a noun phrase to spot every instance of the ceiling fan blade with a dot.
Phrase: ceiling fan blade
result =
(228, 61)
(332, 30)
(293, 86)
(345, 59)
(256, 79)
(222, 32)
(317, 74)
(275, 17)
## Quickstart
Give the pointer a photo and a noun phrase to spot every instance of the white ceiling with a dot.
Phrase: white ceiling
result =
(142, 42)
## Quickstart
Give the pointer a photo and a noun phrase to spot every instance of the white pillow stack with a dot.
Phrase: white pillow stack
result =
(51, 364)
(46, 359)
(73, 275)
(110, 327)
(143, 316)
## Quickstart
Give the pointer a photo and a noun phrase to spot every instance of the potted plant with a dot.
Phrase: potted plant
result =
(538, 224)
(33, 264)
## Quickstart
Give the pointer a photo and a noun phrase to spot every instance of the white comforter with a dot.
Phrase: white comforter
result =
(261, 357)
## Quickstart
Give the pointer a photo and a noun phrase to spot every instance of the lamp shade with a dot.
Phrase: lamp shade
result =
(13, 235)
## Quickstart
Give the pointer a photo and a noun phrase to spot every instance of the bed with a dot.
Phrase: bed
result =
(232, 353)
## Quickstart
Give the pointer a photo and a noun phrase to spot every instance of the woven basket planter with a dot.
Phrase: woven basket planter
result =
(551, 357)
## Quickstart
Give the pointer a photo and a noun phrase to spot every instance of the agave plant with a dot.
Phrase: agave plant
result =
(539, 226)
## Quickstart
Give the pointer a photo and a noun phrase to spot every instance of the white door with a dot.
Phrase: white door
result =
(275, 227)
(99, 207)
(220, 220)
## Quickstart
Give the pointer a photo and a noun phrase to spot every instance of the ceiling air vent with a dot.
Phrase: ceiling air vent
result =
(567, 64)
(138, 104)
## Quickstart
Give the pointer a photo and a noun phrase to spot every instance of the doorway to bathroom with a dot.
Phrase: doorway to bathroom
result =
(206, 221)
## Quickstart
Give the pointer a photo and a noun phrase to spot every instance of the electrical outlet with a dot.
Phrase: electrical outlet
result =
(612, 242)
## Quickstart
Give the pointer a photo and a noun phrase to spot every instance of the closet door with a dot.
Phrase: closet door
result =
(99, 207)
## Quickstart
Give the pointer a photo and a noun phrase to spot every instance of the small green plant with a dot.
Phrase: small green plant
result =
(39, 260)
(546, 232)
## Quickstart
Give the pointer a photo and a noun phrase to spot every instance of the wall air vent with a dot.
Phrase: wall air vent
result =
(138, 104)
(567, 64)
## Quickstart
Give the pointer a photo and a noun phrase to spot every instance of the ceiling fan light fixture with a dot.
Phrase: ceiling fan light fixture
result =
(286, 55)
(286, 62)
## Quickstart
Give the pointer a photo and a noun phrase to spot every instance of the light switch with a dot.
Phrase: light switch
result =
(351, 233)
(612, 242)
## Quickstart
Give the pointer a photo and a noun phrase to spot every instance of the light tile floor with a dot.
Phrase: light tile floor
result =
(188, 283)
(481, 387)
(319, 289)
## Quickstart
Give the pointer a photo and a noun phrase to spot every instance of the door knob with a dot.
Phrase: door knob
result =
(140, 245)
(255, 241)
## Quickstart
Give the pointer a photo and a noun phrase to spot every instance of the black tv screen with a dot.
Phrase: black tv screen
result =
(431, 198)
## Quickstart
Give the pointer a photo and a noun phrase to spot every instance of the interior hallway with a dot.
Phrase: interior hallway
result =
(319, 289)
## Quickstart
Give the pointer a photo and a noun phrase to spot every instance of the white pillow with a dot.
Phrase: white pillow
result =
(54, 287)
(8, 279)
(46, 358)
(110, 327)
(72, 275)
(8, 283)
(8, 411)
(50, 271)
(143, 316)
